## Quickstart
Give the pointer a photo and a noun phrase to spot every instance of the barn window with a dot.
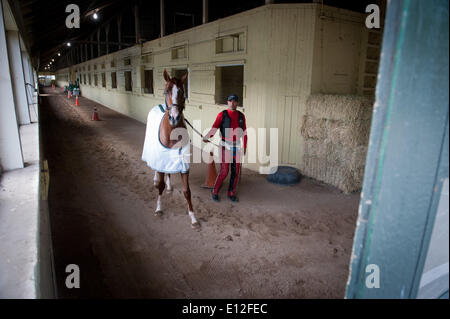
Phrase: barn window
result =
(231, 43)
(127, 61)
(147, 58)
(103, 80)
(103, 65)
(128, 83)
(95, 80)
(229, 80)
(84, 78)
(113, 64)
(179, 52)
(89, 78)
(114, 80)
(95, 66)
(178, 73)
(148, 81)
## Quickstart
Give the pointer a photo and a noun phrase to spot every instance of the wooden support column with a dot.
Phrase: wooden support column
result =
(99, 48)
(107, 38)
(75, 54)
(205, 12)
(18, 72)
(119, 31)
(92, 46)
(161, 17)
(137, 26)
(10, 146)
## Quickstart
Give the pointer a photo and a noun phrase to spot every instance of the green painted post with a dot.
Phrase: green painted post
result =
(407, 159)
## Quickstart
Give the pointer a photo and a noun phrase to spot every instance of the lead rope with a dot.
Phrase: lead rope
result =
(199, 132)
(240, 168)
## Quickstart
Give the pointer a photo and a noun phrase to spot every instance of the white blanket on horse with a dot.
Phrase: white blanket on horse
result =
(157, 156)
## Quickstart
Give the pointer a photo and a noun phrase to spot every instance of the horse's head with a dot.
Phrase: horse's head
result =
(174, 95)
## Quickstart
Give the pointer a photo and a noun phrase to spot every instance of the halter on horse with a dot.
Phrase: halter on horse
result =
(171, 120)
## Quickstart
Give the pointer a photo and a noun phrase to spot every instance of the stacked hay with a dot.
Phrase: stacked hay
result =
(336, 131)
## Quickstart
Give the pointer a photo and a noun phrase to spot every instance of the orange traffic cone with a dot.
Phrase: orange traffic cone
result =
(95, 115)
(212, 174)
(76, 101)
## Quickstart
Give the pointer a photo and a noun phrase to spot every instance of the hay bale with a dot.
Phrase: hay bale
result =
(313, 128)
(339, 107)
(348, 134)
(336, 130)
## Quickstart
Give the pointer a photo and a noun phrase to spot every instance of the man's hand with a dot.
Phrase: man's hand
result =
(205, 140)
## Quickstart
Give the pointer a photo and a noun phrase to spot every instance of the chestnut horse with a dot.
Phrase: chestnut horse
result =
(164, 145)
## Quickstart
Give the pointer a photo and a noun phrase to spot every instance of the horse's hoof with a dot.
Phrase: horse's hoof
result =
(158, 213)
(196, 226)
(169, 190)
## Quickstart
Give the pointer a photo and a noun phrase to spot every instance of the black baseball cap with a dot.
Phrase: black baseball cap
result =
(233, 97)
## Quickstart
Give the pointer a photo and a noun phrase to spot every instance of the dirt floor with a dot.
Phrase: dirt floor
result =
(277, 242)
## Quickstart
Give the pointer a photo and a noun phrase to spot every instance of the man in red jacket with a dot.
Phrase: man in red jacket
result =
(231, 123)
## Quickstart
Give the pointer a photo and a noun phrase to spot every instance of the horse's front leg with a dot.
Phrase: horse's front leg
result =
(187, 194)
(160, 185)
(169, 186)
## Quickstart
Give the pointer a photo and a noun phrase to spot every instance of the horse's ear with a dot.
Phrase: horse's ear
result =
(184, 78)
(166, 76)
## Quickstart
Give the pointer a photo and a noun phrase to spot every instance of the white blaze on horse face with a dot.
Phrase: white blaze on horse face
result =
(174, 111)
(174, 93)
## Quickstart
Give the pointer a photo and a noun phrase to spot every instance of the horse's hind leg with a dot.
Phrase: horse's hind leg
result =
(155, 179)
(168, 184)
(187, 195)
(160, 186)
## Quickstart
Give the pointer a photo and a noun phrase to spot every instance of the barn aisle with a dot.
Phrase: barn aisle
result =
(277, 242)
